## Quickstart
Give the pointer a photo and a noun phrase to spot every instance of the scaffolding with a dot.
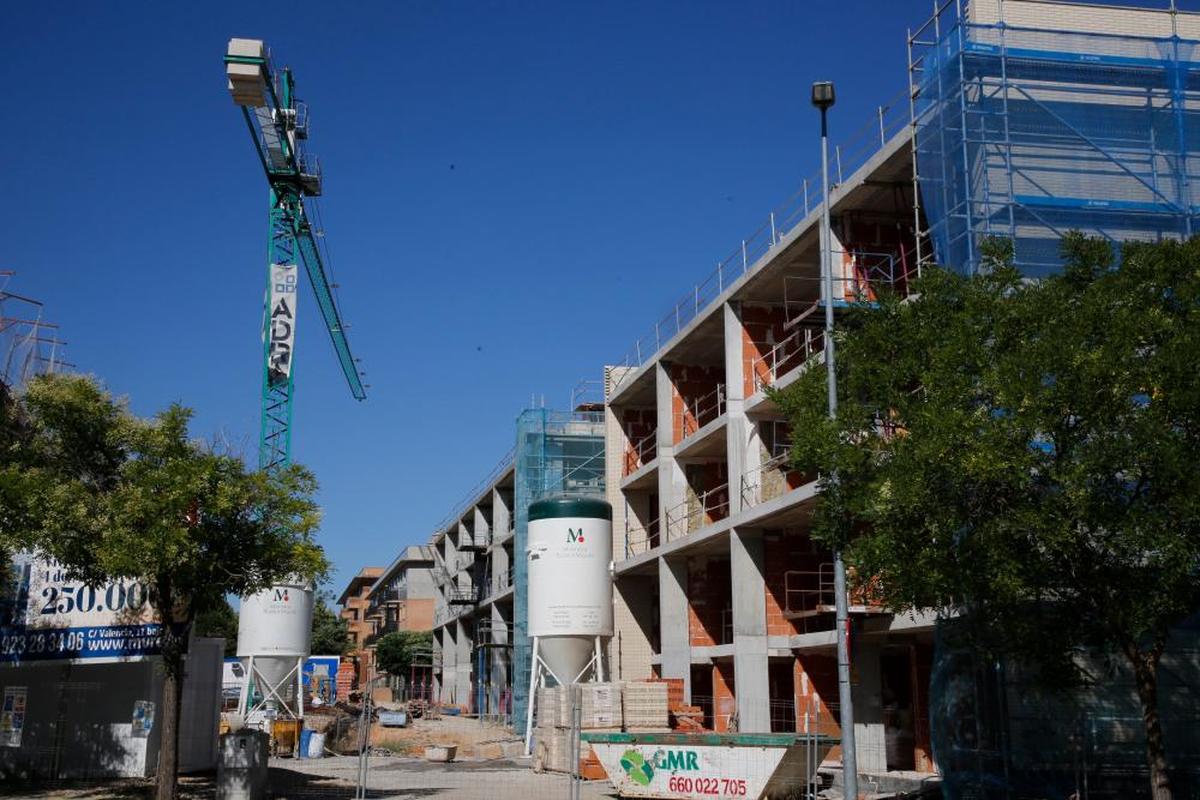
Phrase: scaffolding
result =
(999, 734)
(557, 452)
(29, 344)
(1033, 118)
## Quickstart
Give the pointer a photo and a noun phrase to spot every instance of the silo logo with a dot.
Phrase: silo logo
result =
(281, 595)
(574, 536)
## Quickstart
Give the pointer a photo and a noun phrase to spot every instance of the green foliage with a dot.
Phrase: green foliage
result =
(330, 633)
(220, 621)
(112, 495)
(1002, 442)
(396, 652)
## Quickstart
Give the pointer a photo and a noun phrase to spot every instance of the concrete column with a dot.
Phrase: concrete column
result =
(499, 666)
(749, 630)
(481, 528)
(738, 429)
(463, 664)
(673, 622)
(868, 708)
(450, 662)
(499, 563)
(501, 514)
(464, 577)
(672, 485)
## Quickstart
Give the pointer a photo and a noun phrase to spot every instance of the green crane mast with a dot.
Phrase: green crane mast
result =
(278, 125)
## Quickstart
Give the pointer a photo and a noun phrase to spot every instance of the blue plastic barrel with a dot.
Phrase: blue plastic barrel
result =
(305, 738)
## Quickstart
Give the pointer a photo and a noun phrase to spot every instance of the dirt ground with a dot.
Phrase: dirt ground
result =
(474, 740)
(488, 767)
(334, 778)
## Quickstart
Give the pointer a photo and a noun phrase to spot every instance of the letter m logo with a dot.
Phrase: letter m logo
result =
(574, 535)
(281, 594)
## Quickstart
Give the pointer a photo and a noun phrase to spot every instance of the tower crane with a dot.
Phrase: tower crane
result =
(278, 125)
(274, 625)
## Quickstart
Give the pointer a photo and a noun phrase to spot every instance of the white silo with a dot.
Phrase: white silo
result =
(274, 639)
(570, 593)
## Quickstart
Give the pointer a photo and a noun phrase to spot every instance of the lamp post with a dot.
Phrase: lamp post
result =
(823, 98)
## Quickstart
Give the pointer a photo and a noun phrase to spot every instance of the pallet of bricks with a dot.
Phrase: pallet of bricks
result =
(600, 710)
(683, 718)
(645, 706)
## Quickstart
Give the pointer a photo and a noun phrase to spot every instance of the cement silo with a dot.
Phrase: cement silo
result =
(274, 638)
(569, 552)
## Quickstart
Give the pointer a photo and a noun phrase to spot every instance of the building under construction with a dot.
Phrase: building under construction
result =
(1022, 119)
(482, 648)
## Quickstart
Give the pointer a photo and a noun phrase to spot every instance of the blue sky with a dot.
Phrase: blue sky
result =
(513, 193)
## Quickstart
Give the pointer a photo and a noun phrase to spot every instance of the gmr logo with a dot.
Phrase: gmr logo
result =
(281, 595)
(574, 535)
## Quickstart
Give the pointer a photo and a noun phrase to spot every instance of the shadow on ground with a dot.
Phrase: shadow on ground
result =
(285, 784)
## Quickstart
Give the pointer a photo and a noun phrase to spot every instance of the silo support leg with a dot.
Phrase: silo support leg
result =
(533, 677)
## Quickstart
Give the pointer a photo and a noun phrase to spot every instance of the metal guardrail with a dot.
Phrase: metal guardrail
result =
(690, 516)
(812, 592)
(641, 453)
(754, 489)
(792, 353)
(888, 120)
(640, 538)
(808, 591)
(700, 412)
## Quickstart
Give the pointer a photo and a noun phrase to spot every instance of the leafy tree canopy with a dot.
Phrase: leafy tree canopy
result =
(1004, 444)
(330, 633)
(396, 652)
(111, 495)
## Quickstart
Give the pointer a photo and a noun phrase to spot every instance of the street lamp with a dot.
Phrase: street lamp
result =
(823, 98)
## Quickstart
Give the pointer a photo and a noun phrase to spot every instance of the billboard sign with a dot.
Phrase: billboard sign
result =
(281, 322)
(45, 616)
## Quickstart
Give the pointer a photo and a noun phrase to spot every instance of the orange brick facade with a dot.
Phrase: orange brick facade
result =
(356, 611)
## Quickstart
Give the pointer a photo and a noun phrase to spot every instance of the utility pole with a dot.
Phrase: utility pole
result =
(823, 98)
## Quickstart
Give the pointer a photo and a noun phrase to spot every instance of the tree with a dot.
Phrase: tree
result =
(396, 652)
(110, 495)
(219, 621)
(1005, 444)
(330, 633)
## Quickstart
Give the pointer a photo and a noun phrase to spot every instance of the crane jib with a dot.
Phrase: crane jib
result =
(278, 126)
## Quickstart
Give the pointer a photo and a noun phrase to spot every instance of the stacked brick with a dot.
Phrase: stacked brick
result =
(346, 678)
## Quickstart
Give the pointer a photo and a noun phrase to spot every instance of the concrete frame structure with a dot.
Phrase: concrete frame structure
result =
(474, 556)
(480, 619)
(718, 581)
(401, 598)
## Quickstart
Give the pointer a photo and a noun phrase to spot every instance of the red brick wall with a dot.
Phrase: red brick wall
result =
(638, 423)
(762, 329)
(817, 688)
(689, 384)
(724, 701)
(712, 477)
(709, 594)
(781, 553)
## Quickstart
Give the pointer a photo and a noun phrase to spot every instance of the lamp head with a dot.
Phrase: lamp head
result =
(822, 94)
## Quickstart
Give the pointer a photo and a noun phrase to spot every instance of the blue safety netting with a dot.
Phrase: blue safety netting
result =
(1024, 134)
(557, 452)
(1000, 734)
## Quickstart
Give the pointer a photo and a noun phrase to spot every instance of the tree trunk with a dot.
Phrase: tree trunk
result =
(168, 754)
(1145, 670)
(174, 651)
